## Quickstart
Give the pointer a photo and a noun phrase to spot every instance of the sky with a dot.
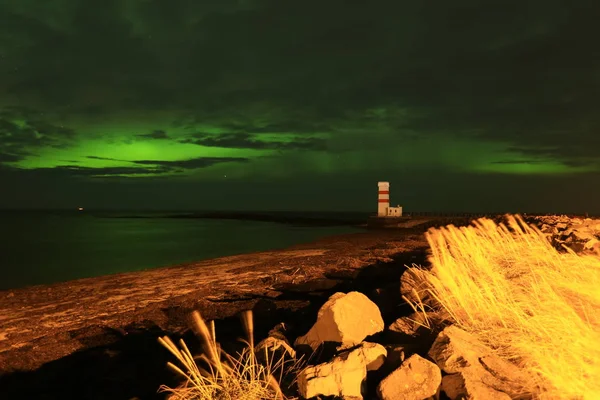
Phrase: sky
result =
(463, 105)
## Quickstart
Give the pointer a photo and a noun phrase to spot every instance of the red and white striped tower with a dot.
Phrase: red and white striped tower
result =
(383, 201)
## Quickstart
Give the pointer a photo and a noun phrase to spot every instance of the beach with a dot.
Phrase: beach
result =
(40, 316)
(65, 328)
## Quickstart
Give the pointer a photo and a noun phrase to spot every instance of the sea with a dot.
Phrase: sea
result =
(44, 247)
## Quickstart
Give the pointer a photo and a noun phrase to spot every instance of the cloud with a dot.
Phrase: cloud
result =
(157, 134)
(517, 162)
(248, 141)
(23, 130)
(194, 163)
(78, 171)
(10, 158)
(136, 168)
(525, 76)
(104, 158)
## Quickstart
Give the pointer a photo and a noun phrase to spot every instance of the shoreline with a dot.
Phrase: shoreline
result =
(418, 223)
(297, 219)
(56, 320)
(408, 225)
(137, 245)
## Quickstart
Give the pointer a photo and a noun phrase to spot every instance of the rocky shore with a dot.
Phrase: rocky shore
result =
(414, 358)
(581, 235)
(97, 338)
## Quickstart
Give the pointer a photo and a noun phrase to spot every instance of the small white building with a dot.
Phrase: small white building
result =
(383, 202)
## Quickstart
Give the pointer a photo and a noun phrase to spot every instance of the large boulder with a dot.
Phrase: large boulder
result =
(416, 379)
(346, 319)
(343, 376)
(476, 372)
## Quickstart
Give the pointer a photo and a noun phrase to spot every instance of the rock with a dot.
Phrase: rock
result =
(273, 350)
(480, 371)
(455, 386)
(416, 379)
(405, 326)
(344, 318)
(582, 235)
(578, 234)
(455, 349)
(417, 323)
(545, 228)
(567, 232)
(415, 334)
(373, 354)
(344, 375)
(577, 247)
(593, 245)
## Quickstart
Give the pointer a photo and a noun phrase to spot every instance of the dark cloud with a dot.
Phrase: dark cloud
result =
(325, 56)
(142, 167)
(194, 163)
(157, 134)
(248, 141)
(567, 150)
(80, 61)
(293, 123)
(10, 158)
(517, 162)
(22, 130)
(102, 171)
(103, 158)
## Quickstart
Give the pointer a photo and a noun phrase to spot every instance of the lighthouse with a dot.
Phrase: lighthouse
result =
(383, 198)
(383, 202)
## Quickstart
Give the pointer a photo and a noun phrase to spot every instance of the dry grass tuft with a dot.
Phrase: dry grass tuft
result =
(537, 307)
(224, 377)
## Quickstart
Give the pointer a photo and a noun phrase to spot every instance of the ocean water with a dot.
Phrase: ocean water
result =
(48, 247)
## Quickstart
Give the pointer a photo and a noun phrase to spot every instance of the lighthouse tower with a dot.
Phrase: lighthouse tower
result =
(383, 200)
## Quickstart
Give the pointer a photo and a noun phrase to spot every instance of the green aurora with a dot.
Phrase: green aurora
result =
(321, 100)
